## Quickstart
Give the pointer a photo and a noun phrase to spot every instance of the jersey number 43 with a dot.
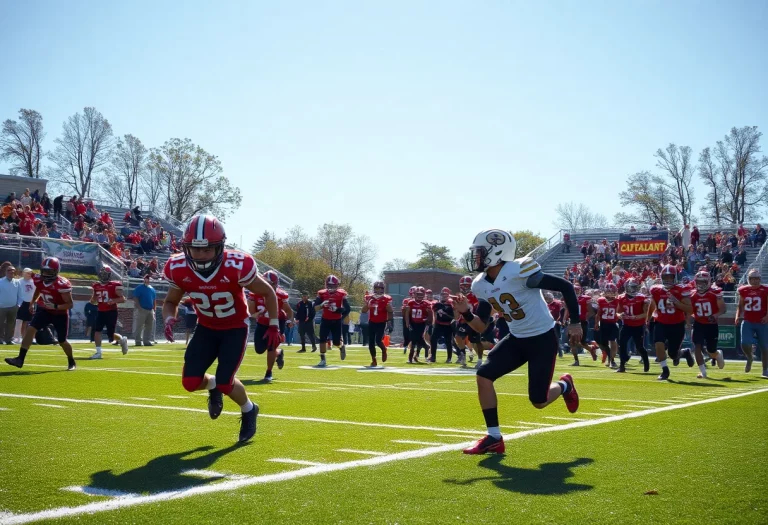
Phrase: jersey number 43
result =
(510, 304)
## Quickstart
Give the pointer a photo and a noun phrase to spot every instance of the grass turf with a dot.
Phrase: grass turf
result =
(705, 461)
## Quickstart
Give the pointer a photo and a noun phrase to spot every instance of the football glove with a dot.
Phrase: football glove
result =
(169, 328)
(390, 327)
(273, 337)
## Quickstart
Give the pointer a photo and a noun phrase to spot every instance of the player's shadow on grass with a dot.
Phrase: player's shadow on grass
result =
(548, 480)
(692, 383)
(11, 373)
(163, 473)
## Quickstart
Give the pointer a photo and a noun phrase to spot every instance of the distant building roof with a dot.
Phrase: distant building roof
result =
(424, 270)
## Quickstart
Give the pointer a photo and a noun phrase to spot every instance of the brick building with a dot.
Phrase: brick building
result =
(399, 282)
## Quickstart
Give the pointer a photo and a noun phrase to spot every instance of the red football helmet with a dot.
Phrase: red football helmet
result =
(204, 231)
(105, 274)
(445, 294)
(632, 287)
(332, 283)
(465, 284)
(412, 291)
(703, 282)
(668, 276)
(611, 291)
(49, 270)
(272, 278)
(419, 293)
(429, 294)
(379, 288)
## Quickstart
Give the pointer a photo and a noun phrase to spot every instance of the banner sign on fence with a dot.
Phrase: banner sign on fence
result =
(726, 336)
(74, 253)
(643, 245)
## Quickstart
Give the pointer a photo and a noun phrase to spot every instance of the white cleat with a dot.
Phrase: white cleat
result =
(124, 344)
(720, 360)
(97, 355)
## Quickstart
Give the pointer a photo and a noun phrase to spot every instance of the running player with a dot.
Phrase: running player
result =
(53, 294)
(418, 313)
(513, 288)
(708, 304)
(380, 316)
(752, 313)
(332, 300)
(406, 333)
(606, 321)
(466, 337)
(107, 294)
(257, 307)
(585, 312)
(633, 307)
(556, 309)
(214, 278)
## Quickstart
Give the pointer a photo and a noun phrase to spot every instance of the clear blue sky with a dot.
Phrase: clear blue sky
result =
(413, 121)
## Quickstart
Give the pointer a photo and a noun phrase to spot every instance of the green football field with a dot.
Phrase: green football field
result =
(120, 441)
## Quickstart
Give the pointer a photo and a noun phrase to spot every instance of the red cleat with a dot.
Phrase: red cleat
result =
(384, 355)
(572, 397)
(486, 445)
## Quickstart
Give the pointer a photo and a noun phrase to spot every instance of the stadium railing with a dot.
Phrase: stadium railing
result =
(761, 260)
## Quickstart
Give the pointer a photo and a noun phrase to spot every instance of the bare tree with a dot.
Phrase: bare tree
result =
(395, 265)
(348, 254)
(151, 186)
(127, 164)
(192, 181)
(82, 151)
(572, 216)
(648, 200)
(678, 171)
(20, 143)
(708, 171)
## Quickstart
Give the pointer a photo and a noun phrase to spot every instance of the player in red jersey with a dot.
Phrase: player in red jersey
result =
(633, 309)
(214, 278)
(257, 308)
(752, 312)
(107, 294)
(670, 303)
(708, 304)
(380, 317)
(557, 310)
(418, 314)
(53, 295)
(466, 338)
(406, 333)
(606, 320)
(585, 312)
(332, 300)
(429, 298)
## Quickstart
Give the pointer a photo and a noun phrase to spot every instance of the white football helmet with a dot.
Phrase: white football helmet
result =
(492, 247)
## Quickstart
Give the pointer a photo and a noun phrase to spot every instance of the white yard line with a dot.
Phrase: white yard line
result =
(565, 418)
(601, 414)
(364, 452)
(178, 397)
(295, 462)
(3, 408)
(532, 424)
(204, 474)
(47, 405)
(273, 416)
(92, 491)
(638, 406)
(411, 442)
(143, 398)
(616, 409)
(230, 485)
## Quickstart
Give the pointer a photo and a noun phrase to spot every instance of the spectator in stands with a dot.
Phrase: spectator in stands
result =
(147, 245)
(45, 202)
(106, 218)
(695, 235)
(692, 260)
(38, 210)
(10, 198)
(79, 225)
(10, 299)
(632, 229)
(125, 231)
(26, 198)
(653, 227)
(733, 241)
(144, 320)
(726, 256)
(69, 212)
(102, 239)
(58, 207)
(566, 249)
(36, 195)
(134, 271)
(153, 268)
(136, 214)
(758, 236)
(54, 232)
(711, 244)
(27, 226)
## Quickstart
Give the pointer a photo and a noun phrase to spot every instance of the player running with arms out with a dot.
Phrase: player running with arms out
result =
(633, 307)
(214, 278)
(107, 294)
(672, 303)
(53, 294)
(257, 307)
(606, 321)
(380, 317)
(418, 313)
(332, 300)
(513, 287)
(708, 305)
(585, 312)
(752, 313)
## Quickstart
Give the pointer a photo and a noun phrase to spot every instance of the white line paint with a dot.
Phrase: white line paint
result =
(615, 410)
(273, 416)
(638, 406)
(49, 406)
(178, 397)
(295, 462)
(204, 474)
(306, 390)
(3, 408)
(274, 392)
(565, 418)
(532, 424)
(226, 486)
(601, 414)
(464, 435)
(365, 452)
(94, 491)
(144, 398)
(411, 442)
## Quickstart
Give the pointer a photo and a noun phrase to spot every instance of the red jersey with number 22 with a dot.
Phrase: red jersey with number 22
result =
(667, 312)
(755, 302)
(51, 293)
(377, 308)
(219, 299)
(106, 292)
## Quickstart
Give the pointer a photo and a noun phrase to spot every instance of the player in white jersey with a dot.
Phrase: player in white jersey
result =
(513, 288)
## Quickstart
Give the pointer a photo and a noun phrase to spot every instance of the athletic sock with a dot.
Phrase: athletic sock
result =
(563, 386)
(211, 383)
(494, 432)
(703, 369)
(491, 416)
(23, 353)
(663, 363)
(247, 407)
(98, 349)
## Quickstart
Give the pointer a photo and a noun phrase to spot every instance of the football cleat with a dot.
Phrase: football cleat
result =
(14, 361)
(478, 364)
(280, 359)
(248, 424)
(97, 355)
(676, 359)
(215, 403)
(646, 364)
(267, 377)
(720, 359)
(71, 365)
(575, 363)
(593, 351)
(765, 373)
(374, 363)
(664, 374)
(343, 352)
(621, 369)
(124, 344)
(701, 376)
(688, 355)
(322, 363)
(747, 367)
(303, 350)
(571, 398)
(383, 355)
(485, 445)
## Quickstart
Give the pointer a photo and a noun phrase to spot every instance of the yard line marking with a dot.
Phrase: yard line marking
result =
(332, 388)
(248, 481)
(617, 409)
(93, 491)
(276, 392)
(366, 452)
(391, 387)
(531, 424)
(178, 397)
(464, 436)
(601, 414)
(205, 474)
(638, 406)
(273, 416)
(3, 408)
(144, 398)
(566, 418)
(47, 405)
(411, 442)
(306, 390)
(295, 462)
